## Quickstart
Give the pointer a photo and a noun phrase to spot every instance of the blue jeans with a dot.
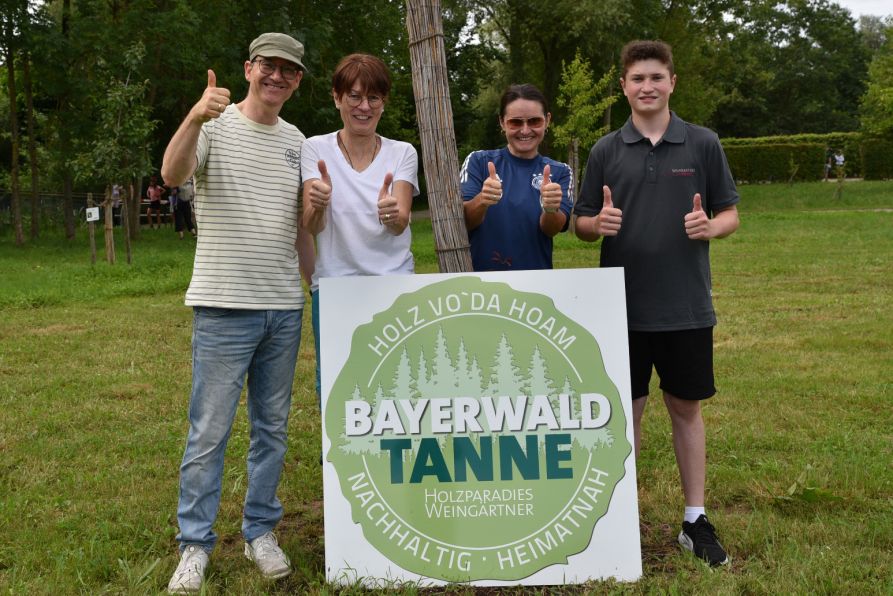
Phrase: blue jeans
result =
(314, 319)
(227, 346)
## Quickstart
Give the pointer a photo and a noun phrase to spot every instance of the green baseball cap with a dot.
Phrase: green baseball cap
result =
(278, 45)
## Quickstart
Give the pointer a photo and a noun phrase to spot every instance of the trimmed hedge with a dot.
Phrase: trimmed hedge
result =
(877, 158)
(765, 162)
(772, 159)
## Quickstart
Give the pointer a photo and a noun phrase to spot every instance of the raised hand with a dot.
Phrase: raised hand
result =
(388, 211)
(608, 221)
(321, 188)
(697, 224)
(214, 100)
(491, 191)
(550, 192)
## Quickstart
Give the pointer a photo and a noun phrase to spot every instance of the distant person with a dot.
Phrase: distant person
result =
(173, 197)
(358, 185)
(116, 204)
(183, 209)
(839, 162)
(516, 200)
(247, 298)
(154, 193)
(657, 191)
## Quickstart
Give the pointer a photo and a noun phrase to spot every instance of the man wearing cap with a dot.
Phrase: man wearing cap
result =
(246, 295)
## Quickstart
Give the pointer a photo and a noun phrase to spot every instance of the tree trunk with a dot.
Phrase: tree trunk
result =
(573, 158)
(109, 227)
(32, 146)
(14, 128)
(516, 44)
(91, 231)
(435, 115)
(65, 141)
(68, 203)
(125, 219)
(133, 209)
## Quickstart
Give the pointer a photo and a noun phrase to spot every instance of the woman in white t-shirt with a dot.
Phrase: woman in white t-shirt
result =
(358, 185)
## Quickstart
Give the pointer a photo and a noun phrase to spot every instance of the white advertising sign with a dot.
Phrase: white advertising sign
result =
(477, 428)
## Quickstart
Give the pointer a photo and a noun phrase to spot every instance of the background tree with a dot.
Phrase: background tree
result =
(877, 104)
(119, 148)
(746, 67)
(794, 67)
(585, 102)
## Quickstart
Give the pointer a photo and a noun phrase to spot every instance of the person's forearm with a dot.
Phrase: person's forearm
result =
(725, 222)
(552, 223)
(314, 219)
(585, 228)
(179, 158)
(475, 211)
(306, 255)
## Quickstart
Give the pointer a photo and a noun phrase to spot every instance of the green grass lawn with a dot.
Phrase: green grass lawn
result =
(95, 377)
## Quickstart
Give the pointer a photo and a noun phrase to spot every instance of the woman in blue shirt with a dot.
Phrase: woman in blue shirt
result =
(516, 200)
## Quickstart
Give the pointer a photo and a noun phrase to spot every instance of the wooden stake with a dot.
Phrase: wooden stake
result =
(90, 227)
(109, 227)
(435, 116)
(125, 218)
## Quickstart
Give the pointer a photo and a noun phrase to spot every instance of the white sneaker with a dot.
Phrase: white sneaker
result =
(265, 552)
(190, 573)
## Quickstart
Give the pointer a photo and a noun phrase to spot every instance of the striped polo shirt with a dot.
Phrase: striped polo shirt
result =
(247, 193)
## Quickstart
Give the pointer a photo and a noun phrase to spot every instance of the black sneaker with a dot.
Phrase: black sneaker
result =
(700, 538)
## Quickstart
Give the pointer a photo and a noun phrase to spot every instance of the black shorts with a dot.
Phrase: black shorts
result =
(156, 205)
(683, 361)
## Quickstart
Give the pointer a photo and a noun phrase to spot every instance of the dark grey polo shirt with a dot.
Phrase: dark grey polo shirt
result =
(667, 275)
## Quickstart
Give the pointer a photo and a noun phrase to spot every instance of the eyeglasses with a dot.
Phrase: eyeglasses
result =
(355, 99)
(516, 123)
(289, 73)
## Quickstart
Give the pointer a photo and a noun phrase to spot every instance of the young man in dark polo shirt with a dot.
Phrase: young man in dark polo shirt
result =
(658, 190)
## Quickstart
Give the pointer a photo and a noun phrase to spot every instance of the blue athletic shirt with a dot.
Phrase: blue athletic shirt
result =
(510, 237)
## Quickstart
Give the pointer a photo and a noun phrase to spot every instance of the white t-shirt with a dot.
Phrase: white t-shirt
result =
(247, 189)
(353, 241)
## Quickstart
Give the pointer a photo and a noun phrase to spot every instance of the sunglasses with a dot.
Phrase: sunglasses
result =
(516, 123)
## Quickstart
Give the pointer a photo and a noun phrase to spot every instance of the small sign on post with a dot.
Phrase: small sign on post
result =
(90, 226)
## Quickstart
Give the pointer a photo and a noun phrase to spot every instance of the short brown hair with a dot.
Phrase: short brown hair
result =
(636, 51)
(367, 70)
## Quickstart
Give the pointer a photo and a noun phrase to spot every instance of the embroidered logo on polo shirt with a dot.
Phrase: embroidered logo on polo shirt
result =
(682, 172)
(293, 158)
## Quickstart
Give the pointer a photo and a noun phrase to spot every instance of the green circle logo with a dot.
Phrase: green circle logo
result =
(475, 432)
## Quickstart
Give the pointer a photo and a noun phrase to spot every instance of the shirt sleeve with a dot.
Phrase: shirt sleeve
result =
(408, 168)
(202, 146)
(309, 161)
(470, 176)
(590, 201)
(721, 189)
(565, 178)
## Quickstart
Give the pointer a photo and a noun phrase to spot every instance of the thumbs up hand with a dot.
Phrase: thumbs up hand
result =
(213, 101)
(321, 188)
(608, 221)
(388, 212)
(550, 192)
(491, 191)
(697, 224)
